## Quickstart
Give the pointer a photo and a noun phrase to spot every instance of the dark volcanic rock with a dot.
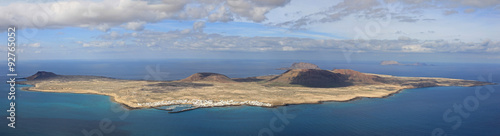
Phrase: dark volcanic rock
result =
(357, 77)
(41, 75)
(215, 77)
(311, 78)
(248, 79)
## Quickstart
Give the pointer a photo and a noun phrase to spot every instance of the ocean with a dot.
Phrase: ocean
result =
(411, 112)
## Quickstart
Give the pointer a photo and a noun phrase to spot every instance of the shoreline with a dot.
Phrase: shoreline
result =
(136, 94)
(126, 106)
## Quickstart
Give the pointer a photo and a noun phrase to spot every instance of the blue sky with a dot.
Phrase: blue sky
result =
(357, 30)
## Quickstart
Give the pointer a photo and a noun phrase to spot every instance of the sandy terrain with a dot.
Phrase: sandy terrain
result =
(147, 94)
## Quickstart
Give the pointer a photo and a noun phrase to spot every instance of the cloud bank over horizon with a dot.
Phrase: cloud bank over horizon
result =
(195, 39)
(361, 26)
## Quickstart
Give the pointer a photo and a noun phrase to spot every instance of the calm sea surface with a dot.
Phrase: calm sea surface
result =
(412, 112)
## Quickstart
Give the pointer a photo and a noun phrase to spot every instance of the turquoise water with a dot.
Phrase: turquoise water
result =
(411, 112)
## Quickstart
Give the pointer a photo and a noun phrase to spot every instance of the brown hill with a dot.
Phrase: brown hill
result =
(310, 78)
(207, 77)
(40, 75)
(357, 77)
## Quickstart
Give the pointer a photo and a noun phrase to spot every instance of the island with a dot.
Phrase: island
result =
(301, 65)
(392, 62)
(204, 90)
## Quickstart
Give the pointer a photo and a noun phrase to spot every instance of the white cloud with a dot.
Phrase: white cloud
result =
(254, 10)
(220, 14)
(185, 31)
(34, 45)
(129, 14)
(102, 44)
(415, 48)
(477, 3)
(202, 41)
(199, 26)
(335, 18)
(136, 26)
(339, 11)
(399, 10)
(288, 48)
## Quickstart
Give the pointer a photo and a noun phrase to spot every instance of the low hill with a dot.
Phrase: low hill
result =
(214, 77)
(310, 78)
(40, 75)
(357, 77)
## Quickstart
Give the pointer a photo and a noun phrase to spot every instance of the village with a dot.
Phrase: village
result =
(205, 103)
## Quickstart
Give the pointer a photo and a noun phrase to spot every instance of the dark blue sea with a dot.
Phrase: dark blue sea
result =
(413, 112)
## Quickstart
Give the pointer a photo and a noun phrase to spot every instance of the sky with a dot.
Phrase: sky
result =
(347, 30)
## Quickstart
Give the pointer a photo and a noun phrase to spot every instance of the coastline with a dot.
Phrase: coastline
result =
(113, 98)
(138, 94)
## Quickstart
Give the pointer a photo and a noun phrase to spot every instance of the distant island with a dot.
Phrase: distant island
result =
(301, 65)
(203, 90)
(392, 62)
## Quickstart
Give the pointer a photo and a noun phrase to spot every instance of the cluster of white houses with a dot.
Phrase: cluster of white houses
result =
(204, 103)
